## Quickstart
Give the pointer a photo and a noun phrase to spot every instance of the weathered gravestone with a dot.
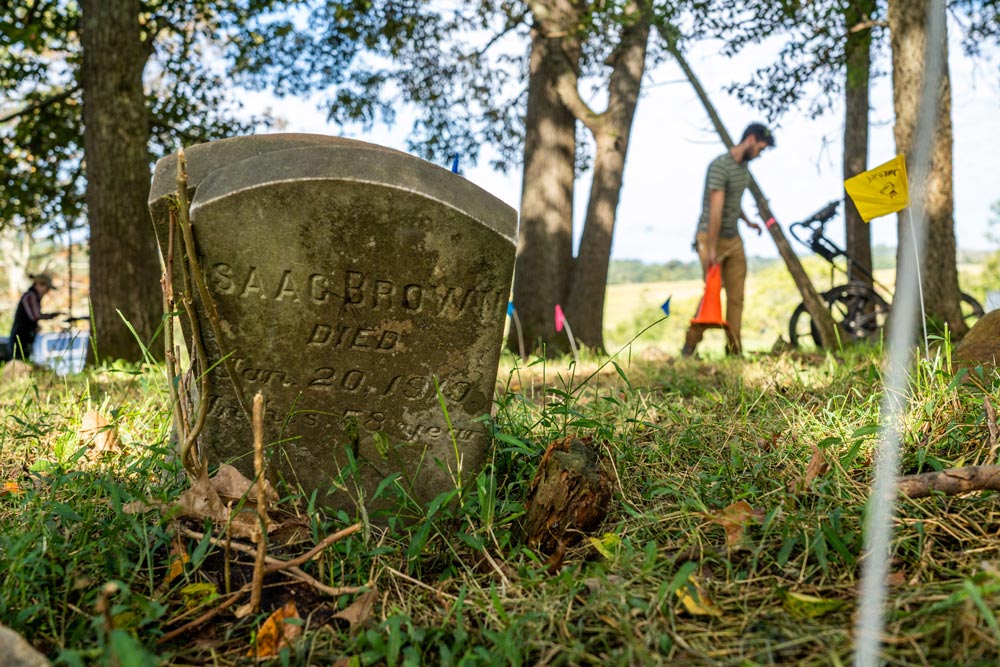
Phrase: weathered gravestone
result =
(354, 285)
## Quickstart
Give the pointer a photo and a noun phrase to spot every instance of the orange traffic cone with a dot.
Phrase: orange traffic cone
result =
(710, 311)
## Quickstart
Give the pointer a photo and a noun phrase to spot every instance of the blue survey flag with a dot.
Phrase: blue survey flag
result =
(666, 306)
(510, 309)
(454, 164)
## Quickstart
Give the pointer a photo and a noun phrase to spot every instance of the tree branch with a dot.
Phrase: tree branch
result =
(951, 482)
(569, 95)
(512, 23)
(868, 25)
(41, 104)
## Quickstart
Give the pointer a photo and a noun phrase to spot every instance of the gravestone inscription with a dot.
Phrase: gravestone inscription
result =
(358, 288)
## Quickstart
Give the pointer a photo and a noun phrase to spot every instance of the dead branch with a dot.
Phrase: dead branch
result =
(951, 482)
(204, 618)
(258, 464)
(278, 565)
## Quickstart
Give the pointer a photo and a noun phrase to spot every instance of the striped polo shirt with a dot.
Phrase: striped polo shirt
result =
(732, 177)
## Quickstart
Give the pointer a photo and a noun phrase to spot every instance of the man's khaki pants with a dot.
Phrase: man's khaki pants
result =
(733, 263)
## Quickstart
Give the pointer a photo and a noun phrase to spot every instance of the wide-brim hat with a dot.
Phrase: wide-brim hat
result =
(42, 279)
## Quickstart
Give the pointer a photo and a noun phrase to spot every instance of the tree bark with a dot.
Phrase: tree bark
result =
(545, 245)
(939, 272)
(856, 103)
(612, 130)
(569, 496)
(124, 265)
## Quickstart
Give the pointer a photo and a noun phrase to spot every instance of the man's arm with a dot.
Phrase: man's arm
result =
(750, 223)
(716, 198)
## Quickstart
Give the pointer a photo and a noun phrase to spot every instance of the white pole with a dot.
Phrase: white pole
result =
(920, 284)
(870, 623)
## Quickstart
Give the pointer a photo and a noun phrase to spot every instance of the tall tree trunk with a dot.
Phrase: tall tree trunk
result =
(124, 265)
(545, 245)
(856, 103)
(612, 129)
(15, 242)
(939, 273)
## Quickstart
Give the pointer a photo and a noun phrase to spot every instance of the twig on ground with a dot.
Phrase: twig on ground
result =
(278, 565)
(258, 466)
(226, 603)
(312, 553)
(951, 482)
(417, 582)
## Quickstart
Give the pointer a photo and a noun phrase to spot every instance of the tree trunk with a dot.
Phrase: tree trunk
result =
(588, 286)
(15, 243)
(856, 103)
(545, 244)
(124, 265)
(939, 272)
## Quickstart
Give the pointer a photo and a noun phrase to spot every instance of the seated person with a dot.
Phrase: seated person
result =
(28, 315)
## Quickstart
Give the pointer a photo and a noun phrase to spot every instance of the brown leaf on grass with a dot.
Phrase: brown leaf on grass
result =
(204, 499)
(232, 486)
(361, 610)
(178, 558)
(734, 519)
(897, 578)
(276, 632)
(245, 524)
(694, 599)
(98, 434)
(11, 487)
(818, 466)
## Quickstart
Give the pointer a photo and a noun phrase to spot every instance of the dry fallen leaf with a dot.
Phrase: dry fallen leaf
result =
(10, 487)
(897, 578)
(178, 558)
(277, 632)
(361, 610)
(231, 485)
(202, 500)
(695, 601)
(800, 605)
(817, 467)
(606, 545)
(98, 434)
(734, 519)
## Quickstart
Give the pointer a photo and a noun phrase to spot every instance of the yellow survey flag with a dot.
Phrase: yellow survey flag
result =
(880, 191)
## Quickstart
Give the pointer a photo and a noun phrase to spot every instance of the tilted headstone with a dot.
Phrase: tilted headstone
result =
(356, 287)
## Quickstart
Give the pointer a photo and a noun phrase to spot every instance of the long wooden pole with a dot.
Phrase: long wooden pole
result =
(814, 304)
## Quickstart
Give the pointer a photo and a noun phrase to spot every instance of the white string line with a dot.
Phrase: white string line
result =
(878, 529)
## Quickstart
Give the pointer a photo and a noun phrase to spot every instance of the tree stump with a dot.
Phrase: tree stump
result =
(568, 497)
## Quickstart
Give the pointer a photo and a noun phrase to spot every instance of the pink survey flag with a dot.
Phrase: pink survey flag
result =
(560, 318)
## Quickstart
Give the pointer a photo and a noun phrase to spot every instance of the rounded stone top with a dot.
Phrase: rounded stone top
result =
(224, 167)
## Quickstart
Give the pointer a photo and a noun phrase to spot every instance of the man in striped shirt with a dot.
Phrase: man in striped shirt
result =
(718, 238)
(28, 314)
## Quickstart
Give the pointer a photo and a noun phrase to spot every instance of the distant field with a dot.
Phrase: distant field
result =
(771, 297)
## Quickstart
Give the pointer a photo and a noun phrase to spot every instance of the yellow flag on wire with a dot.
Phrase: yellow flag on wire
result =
(880, 191)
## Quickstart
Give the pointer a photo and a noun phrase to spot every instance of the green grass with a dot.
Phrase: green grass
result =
(683, 439)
